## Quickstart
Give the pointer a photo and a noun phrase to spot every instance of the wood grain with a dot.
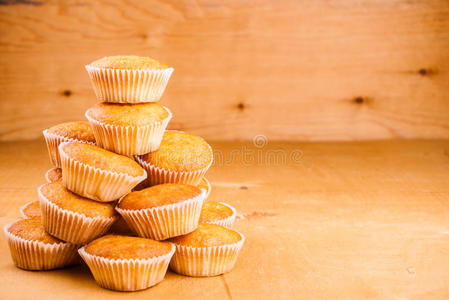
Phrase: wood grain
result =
(355, 220)
(288, 69)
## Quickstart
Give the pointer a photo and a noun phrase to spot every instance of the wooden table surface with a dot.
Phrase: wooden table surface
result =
(365, 220)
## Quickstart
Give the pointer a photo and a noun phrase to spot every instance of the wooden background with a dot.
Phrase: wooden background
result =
(291, 70)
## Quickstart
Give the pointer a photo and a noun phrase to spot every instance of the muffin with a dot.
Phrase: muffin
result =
(128, 79)
(205, 185)
(121, 228)
(98, 174)
(31, 210)
(181, 158)
(208, 251)
(162, 211)
(129, 129)
(53, 175)
(125, 263)
(72, 218)
(218, 213)
(34, 249)
(80, 131)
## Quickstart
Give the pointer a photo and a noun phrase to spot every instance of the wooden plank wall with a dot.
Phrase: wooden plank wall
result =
(288, 69)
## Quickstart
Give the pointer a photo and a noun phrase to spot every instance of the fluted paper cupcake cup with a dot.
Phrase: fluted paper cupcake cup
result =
(37, 255)
(69, 226)
(163, 222)
(226, 222)
(94, 183)
(205, 261)
(53, 141)
(127, 85)
(129, 140)
(157, 175)
(127, 274)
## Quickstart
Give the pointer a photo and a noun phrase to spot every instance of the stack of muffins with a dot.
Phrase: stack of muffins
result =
(126, 195)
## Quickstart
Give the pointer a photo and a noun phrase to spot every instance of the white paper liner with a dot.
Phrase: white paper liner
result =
(163, 222)
(22, 210)
(205, 261)
(127, 85)
(129, 140)
(53, 140)
(37, 255)
(69, 226)
(94, 183)
(158, 175)
(226, 222)
(127, 274)
(47, 177)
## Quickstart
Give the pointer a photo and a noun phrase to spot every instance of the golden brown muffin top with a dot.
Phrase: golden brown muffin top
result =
(204, 184)
(208, 235)
(213, 211)
(128, 62)
(127, 247)
(139, 114)
(100, 158)
(32, 209)
(54, 174)
(56, 193)
(159, 195)
(32, 230)
(180, 151)
(79, 130)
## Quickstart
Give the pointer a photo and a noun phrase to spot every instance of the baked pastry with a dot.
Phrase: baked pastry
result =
(207, 251)
(34, 249)
(31, 210)
(162, 211)
(72, 218)
(205, 185)
(128, 79)
(218, 213)
(79, 131)
(53, 175)
(125, 263)
(121, 228)
(98, 174)
(181, 158)
(129, 129)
